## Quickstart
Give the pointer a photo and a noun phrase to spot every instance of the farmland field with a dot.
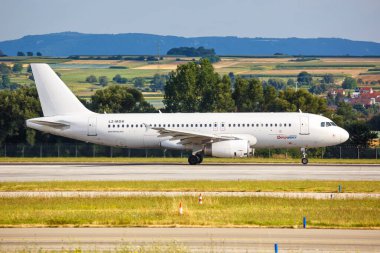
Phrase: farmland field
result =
(74, 72)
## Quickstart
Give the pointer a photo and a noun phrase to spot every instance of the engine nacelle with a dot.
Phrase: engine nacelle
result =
(231, 148)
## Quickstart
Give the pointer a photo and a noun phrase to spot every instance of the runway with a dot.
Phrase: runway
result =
(196, 239)
(92, 194)
(118, 172)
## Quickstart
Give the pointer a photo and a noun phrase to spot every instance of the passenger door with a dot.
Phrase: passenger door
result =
(304, 125)
(91, 129)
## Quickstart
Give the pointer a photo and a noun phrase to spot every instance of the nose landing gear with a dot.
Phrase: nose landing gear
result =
(304, 159)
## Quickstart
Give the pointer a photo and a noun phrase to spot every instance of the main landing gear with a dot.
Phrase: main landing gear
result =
(195, 159)
(304, 159)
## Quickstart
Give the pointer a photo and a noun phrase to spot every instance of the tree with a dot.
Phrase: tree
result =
(91, 79)
(29, 53)
(15, 107)
(291, 83)
(191, 51)
(278, 84)
(304, 78)
(139, 82)
(360, 134)
(374, 123)
(118, 79)
(158, 82)
(4, 69)
(19, 53)
(196, 87)
(17, 68)
(349, 83)
(248, 95)
(328, 79)
(103, 80)
(5, 82)
(119, 99)
(39, 54)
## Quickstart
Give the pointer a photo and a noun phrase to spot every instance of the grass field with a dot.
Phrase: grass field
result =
(197, 186)
(163, 211)
(180, 160)
(74, 72)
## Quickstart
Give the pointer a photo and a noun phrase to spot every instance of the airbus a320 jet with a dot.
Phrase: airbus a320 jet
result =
(204, 134)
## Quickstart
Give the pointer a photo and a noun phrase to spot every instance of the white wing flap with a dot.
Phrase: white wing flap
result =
(190, 137)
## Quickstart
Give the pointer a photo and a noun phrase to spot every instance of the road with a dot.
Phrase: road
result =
(78, 172)
(196, 239)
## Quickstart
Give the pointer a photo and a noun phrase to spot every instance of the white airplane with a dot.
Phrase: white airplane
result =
(204, 134)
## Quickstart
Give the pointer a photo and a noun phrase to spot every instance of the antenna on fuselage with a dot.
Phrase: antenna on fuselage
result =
(300, 110)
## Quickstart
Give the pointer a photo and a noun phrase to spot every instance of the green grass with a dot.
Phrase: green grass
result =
(196, 186)
(163, 211)
(180, 160)
(170, 247)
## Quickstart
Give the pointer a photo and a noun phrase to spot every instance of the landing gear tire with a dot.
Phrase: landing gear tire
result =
(304, 159)
(193, 159)
(200, 157)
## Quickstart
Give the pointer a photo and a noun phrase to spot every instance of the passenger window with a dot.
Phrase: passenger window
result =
(257, 125)
(200, 125)
(243, 125)
(233, 125)
(285, 125)
(229, 125)
(280, 125)
(187, 125)
(159, 125)
(109, 126)
(209, 125)
(222, 124)
(266, 125)
(132, 125)
(122, 126)
(238, 125)
(271, 125)
(290, 125)
(275, 125)
(322, 124)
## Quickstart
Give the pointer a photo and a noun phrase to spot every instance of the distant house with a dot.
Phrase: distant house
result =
(367, 98)
(364, 90)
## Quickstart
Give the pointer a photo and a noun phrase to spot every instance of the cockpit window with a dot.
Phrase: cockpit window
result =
(328, 124)
(332, 123)
(322, 124)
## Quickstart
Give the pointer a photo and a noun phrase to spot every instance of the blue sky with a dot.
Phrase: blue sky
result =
(351, 19)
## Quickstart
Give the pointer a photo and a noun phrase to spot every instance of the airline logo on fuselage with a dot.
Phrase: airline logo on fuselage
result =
(286, 137)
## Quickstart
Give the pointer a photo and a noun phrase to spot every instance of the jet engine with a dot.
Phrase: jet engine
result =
(229, 148)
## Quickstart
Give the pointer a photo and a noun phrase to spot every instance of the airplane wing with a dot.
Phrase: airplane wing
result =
(187, 137)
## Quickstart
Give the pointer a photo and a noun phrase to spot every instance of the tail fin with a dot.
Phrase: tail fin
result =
(55, 96)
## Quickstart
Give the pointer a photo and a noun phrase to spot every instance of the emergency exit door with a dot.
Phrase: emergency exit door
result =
(91, 130)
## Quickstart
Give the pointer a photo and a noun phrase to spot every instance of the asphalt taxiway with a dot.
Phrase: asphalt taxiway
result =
(117, 172)
(196, 239)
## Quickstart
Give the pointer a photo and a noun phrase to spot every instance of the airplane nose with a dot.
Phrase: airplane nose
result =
(344, 135)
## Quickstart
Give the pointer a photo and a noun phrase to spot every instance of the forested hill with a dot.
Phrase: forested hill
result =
(71, 43)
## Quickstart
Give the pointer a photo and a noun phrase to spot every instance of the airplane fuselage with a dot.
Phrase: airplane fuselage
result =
(274, 130)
